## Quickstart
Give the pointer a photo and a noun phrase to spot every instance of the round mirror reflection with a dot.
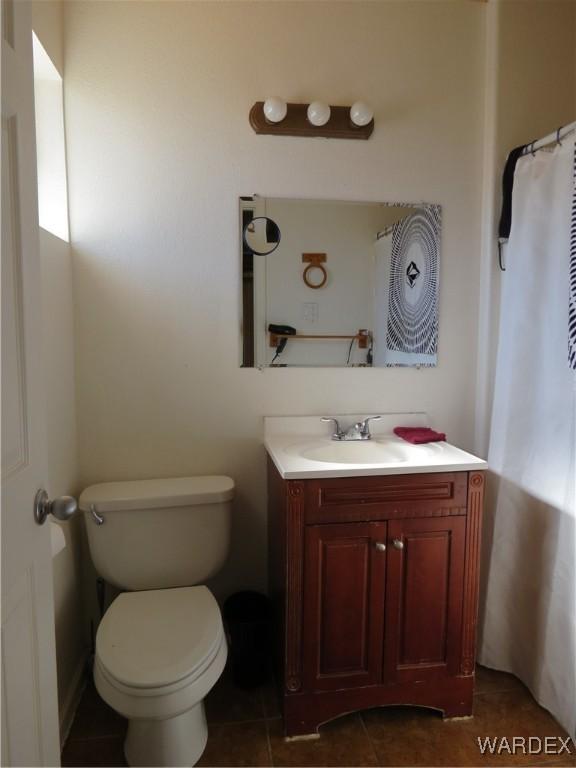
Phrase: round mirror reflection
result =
(262, 235)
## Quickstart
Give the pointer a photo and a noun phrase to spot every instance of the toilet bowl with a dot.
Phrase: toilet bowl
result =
(158, 653)
(161, 647)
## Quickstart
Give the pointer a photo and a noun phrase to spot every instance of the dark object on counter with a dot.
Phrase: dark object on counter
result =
(247, 616)
(419, 435)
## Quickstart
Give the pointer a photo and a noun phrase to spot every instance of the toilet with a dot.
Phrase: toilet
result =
(160, 646)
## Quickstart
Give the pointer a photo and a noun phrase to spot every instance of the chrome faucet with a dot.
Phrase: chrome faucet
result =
(358, 431)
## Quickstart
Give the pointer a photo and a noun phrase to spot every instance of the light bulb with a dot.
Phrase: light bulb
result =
(361, 113)
(318, 113)
(275, 110)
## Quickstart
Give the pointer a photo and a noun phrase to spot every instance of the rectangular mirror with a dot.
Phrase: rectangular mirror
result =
(337, 283)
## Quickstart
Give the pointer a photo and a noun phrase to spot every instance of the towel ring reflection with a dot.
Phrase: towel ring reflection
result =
(307, 277)
(314, 261)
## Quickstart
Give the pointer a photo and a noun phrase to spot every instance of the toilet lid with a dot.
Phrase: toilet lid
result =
(158, 637)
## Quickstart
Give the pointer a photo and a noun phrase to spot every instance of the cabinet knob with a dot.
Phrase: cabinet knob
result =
(380, 546)
(398, 544)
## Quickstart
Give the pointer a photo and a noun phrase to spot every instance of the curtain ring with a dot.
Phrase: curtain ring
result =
(558, 136)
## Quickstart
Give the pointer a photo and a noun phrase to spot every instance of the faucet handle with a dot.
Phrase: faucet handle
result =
(363, 425)
(337, 431)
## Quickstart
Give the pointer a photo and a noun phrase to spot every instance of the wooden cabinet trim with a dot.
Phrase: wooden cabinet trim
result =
(427, 491)
(476, 482)
(368, 513)
(385, 497)
(304, 712)
(294, 583)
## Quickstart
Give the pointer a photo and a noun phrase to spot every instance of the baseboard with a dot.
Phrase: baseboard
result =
(72, 698)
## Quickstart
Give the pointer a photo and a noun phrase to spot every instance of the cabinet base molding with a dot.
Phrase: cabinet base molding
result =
(304, 713)
(302, 737)
(455, 719)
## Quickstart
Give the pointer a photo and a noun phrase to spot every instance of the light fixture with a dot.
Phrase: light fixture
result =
(361, 113)
(275, 110)
(275, 117)
(318, 113)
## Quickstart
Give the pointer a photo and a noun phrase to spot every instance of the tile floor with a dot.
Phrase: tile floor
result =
(246, 730)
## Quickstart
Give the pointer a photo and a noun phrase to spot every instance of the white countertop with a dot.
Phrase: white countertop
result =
(301, 447)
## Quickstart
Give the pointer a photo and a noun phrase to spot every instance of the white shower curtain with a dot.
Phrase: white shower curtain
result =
(528, 611)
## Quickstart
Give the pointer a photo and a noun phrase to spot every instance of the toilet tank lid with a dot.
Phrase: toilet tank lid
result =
(154, 494)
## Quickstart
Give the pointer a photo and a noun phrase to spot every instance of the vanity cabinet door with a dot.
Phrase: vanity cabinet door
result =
(424, 593)
(344, 572)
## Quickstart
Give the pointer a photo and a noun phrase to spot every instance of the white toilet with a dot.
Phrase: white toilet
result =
(160, 647)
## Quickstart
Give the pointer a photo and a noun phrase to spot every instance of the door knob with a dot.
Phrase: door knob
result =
(62, 507)
(398, 544)
(380, 546)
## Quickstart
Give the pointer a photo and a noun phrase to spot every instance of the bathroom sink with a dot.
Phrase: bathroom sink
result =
(301, 447)
(351, 452)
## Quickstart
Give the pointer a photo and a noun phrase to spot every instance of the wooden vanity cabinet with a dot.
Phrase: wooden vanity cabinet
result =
(374, 582)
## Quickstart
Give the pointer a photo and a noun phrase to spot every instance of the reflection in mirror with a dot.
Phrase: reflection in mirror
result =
(315, 276)
(261, 236)
(379, 303)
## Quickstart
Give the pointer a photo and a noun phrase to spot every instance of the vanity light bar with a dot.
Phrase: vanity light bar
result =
(297, 120)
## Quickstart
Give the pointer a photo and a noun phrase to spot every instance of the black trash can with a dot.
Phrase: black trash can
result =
(247, 616)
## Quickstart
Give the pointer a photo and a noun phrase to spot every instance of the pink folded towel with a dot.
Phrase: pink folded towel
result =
(418, 435)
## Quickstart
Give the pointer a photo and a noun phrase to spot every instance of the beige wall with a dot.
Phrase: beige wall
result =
(59, 380)
(159, 148)
(537, 64)
(47, 22)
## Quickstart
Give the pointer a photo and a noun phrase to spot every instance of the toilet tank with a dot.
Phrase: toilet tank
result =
(157, 534)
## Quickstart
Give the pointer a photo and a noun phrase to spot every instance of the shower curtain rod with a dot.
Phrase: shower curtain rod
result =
(557, 135)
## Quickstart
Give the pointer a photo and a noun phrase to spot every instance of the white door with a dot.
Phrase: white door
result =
(29, 693)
